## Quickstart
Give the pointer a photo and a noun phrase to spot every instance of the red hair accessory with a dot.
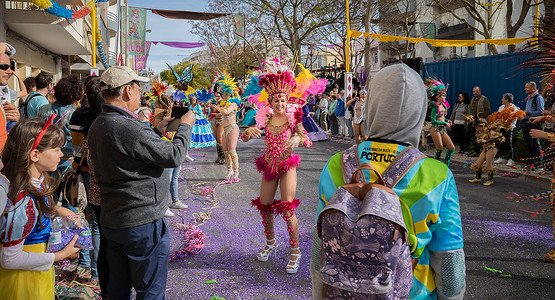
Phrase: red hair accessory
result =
(46, 125)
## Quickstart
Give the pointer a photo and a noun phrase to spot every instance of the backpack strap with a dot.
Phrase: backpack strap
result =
(401, 165)
(349, 163)
(25, 104)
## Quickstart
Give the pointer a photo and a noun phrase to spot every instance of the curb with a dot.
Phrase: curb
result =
(502, 168)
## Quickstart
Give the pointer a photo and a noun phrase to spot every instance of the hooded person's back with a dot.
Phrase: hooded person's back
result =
(395, 112)
(396, 105)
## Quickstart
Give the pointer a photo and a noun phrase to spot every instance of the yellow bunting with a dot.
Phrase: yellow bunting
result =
(440, 43)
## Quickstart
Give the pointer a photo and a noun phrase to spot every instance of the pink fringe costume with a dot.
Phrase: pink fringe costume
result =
(277, 160)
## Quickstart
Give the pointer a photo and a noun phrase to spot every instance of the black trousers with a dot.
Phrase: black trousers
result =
(506, 150)
(102, 260)
(459, 135)
(532, 145)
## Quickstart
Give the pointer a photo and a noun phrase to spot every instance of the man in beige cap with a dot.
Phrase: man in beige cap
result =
(130, 162)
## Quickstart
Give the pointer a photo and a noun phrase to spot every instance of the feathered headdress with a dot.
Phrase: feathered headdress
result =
(252, 88)
(158, 88)
(181, 96)
(278, 78)
(543, 53)
(225, 84)
(434, 87)
(204, 96)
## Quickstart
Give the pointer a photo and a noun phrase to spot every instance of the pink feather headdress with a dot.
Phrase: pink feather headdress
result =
(279, 78)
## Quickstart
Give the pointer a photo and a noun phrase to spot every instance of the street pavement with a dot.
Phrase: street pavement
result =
(504, 245)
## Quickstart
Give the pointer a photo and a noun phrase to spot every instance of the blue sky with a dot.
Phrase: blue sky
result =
(164, 29)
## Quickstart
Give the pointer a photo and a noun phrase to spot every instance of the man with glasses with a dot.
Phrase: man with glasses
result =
(9, 113)
(131, 162)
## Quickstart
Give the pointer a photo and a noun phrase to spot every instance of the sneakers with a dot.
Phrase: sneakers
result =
(178, 205)
(488, 183)
(500, 161)
(168, 213)
(510, 163)
(475, 180)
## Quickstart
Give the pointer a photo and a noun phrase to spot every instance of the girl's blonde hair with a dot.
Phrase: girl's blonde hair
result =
(17, 161)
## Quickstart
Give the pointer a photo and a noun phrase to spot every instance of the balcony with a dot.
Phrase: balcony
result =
(59, 35)
(445, 32)
(112, 59)
(112, 23)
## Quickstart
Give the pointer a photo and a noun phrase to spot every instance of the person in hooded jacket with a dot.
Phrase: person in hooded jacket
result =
(396, 108)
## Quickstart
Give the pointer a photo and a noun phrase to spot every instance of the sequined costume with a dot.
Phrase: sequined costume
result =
(277, 159)
(280, 84)
(438, 111)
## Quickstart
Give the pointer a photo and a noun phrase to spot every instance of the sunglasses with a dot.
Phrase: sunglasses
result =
(5, 67)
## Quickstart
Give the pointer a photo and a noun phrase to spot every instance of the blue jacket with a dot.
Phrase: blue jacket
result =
(340, 109)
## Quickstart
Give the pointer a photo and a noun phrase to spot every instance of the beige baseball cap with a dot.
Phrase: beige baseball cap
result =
(117, 76)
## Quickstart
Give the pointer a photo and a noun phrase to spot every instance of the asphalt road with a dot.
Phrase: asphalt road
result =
(498, 235)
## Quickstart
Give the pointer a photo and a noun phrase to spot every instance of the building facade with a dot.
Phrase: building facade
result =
(45, 42)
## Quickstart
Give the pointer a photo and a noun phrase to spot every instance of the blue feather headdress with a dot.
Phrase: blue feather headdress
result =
(252, 88)
(204, 96)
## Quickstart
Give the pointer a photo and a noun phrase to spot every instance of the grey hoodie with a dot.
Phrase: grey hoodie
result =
(396, 105)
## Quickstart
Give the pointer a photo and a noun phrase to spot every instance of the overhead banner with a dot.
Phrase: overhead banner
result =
(239, 27)
(140, 60)
(429, 32)
(187, 15)
(440, 43)
(134, 40)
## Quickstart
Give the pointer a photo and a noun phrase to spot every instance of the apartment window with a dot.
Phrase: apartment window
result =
(375, 57)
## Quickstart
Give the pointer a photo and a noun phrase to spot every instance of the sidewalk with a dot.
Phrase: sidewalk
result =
(466, 161)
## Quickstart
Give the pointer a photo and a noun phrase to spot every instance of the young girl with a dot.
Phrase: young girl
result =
(30, 152)
(284, 131)
(436, 91)
(228, 88)
(490, 137)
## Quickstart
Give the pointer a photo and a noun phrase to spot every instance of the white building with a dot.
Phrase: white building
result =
(45, 42)
(450, 28)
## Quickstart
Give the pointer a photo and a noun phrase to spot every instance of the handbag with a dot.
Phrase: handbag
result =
(74, 191)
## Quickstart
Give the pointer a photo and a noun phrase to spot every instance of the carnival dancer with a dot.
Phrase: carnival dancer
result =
(227, 87)
(202, 135)
(284, 132)
(315, 132)
(217, 128)
(490, 137)
(27, 271)
(436, 92)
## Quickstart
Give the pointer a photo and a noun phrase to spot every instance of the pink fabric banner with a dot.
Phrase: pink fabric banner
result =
(140, 60)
